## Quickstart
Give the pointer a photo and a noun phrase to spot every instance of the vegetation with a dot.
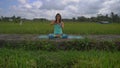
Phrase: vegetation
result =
(20, 58)
(69, 54)
(80, 45)
(70, 28)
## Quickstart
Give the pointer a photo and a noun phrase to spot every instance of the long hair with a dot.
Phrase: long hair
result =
(59, 19)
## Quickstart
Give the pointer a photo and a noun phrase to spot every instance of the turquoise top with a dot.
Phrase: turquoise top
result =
(57, 29)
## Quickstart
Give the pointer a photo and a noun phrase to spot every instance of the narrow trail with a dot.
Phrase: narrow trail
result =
(34, 37)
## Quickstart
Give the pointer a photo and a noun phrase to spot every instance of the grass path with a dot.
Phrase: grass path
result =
(35, 37)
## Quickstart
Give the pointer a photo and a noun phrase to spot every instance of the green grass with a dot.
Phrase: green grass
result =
(44, 54)
(20, 58)
(70, 28)
(32, 55)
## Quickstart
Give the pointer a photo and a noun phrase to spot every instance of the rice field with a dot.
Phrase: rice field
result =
(70, 28)
(32, 55)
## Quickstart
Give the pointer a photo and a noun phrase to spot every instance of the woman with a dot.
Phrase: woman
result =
(58, 26)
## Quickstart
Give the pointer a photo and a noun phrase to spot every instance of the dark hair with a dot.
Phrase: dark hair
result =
(56, 18)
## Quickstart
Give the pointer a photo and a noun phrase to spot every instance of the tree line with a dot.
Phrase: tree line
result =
(18, 19)
(112, 18)
(14, 18)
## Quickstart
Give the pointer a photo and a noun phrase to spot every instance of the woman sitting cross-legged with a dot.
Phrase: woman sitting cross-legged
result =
(58, 26)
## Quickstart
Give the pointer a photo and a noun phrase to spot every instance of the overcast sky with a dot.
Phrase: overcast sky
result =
(48, 8)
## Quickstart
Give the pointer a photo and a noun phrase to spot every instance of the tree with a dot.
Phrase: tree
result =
(17, 19)
(93, 19)
(74, 19)
(82, 19)
(114, 17)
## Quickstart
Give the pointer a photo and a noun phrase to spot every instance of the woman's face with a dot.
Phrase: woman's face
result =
(58, 17)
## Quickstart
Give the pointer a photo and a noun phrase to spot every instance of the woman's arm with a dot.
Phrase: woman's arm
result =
(52, 23)
(62, 25)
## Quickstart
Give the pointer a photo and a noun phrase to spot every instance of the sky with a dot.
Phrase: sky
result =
(67, 8)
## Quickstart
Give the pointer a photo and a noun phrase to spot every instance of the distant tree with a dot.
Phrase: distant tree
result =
(17, 19)
(13, 18)
(107, 17)
(82, 19)
(93, 19)
(65, 19)
(0, 18)
(73, 19)
(40, 19)
(114, 18)
(100, 17)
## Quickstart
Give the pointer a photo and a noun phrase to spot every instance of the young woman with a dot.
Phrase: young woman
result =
(58, 25)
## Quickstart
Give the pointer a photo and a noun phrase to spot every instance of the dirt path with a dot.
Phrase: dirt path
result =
(35, 37)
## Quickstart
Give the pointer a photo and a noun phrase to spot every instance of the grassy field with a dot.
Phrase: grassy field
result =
(79, 54)
(70, 28)
(10, 58)
(49, 54)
